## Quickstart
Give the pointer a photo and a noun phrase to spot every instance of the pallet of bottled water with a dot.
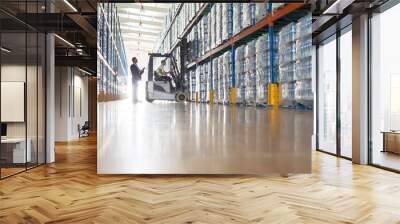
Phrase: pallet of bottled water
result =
(240, 73)
(192, 85)
(303, 92)
(237, 9)
(250, 73)
(226, 21)
(248, 13)
(287, 92)
(215, 78)
(226, 79)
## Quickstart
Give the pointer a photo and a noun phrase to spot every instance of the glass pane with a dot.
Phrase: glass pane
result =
(23, 89)
(32, 88)
(385, 84)
(346, 93)
(13, 87)
(41, 98)
(327, 96)
(31, 98)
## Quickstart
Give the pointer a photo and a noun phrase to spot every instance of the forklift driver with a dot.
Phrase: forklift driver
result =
(162, 75)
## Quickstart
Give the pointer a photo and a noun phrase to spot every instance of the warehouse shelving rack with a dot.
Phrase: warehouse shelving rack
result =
(112, 64)
(253, 31)
(181, 41)
(202, 11)
(178, 10)
(271, 23)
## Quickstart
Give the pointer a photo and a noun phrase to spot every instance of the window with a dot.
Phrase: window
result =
(346, 93)
(385, 89)
(327, 96)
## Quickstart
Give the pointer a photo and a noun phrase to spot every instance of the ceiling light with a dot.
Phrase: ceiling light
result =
(84, 71)
(5, 50)
(65, 41)
(70, 5)
(143, 17)
(142, 25)
(139, 11)
(337, 7)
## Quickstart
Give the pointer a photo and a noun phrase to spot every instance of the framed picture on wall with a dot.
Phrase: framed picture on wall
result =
(13, 101)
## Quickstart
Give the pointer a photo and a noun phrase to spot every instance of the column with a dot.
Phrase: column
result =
(360, 90)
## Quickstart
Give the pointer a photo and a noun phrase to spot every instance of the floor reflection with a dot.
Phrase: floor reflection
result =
(386, 159)
(173, 138)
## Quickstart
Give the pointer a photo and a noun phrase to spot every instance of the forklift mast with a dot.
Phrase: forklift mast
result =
(183, 45)
(150, 69)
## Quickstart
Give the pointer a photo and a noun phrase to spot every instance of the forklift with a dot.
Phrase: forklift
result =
(161, 90)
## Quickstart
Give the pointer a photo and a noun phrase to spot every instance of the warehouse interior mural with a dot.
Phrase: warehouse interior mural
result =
(233, 65)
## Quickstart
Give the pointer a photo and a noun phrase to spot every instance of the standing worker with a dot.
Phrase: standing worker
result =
(136, 77)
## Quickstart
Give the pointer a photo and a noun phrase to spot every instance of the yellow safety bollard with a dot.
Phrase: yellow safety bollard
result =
(273, 94)
(211, 96)
(233, 96)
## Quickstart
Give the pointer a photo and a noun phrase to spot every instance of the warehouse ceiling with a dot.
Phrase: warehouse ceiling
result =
(141, 25)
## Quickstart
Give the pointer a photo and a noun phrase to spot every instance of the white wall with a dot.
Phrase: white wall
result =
(9, 73)
(62, 82)
(34, 126)
(71, 103)
(80, 110)
(16, 73)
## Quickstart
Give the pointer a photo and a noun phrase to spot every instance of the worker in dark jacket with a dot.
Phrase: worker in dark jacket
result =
(136, 77)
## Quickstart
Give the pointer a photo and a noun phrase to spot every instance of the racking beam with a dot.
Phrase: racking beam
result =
(267, 21)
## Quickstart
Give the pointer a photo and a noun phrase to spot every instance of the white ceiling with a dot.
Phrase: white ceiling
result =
(141, 25)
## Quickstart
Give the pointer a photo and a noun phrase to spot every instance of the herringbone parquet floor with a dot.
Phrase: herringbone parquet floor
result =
(70, 191)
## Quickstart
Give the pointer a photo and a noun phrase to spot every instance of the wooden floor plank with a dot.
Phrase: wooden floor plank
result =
(70, 191)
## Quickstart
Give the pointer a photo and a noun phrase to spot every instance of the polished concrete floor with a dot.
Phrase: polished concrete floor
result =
(190, 138)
